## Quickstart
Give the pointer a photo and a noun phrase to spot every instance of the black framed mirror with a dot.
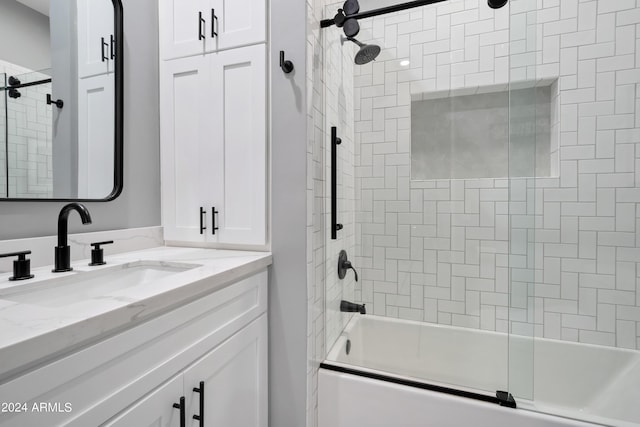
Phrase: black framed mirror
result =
(61, 100)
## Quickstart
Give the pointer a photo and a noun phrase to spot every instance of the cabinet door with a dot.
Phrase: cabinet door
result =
(238, 190)
(238, 23)
(235, 380)
(95, 33)
(185, 110)
(156, 409)
(185, 27)
(95, 136)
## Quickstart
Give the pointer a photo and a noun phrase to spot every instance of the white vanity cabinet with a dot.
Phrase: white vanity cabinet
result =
(234, 380)
(135, 377)
(213, 149)
(156, 409)
(192, 27)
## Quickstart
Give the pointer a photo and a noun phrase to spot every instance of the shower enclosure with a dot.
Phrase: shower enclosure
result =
(26, 135)
(487, 188)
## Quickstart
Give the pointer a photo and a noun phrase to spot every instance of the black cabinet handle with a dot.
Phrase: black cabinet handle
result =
(102, 48)
(203, 215)
(214, 23)
(201, 24)
(113, 49)
(183, 419)
(200, 390)
(335, 141)
(214, 212)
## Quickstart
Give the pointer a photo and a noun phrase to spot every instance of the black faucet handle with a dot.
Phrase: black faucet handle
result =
(97, 253)
(344, 264)
(97, 245)
(21, 266)
(348, 265)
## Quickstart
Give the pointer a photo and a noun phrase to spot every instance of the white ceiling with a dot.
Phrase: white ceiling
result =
(41, 6)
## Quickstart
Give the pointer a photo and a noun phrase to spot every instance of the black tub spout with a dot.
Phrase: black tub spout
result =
(349, 307)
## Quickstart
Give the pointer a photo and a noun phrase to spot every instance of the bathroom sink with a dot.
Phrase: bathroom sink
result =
(83, 285)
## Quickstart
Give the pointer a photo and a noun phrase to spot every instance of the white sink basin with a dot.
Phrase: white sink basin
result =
(83, 285)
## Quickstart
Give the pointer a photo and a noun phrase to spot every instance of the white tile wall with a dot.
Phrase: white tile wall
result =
(447, 251)
(29, 124)
(330, 71)
(315, 206)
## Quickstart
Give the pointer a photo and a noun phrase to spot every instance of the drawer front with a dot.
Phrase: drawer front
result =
(103, 379)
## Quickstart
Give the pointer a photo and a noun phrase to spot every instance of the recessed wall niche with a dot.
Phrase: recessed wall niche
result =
(485, 132)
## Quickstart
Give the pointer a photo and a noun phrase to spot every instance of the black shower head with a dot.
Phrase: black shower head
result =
(496, 4)
(367, 52)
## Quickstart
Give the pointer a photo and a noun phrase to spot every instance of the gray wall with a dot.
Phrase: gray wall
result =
(288, 279)
(64, 65)
(32, 48)
(139, 204)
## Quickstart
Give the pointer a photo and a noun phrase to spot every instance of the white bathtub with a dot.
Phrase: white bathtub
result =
(594, 384)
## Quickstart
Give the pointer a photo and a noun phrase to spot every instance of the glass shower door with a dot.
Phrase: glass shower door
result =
(3, 135)
(574, 306)
(422, 184)
(532, 156)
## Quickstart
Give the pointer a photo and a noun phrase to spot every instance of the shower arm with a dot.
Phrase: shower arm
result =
(382, 11)
(351, 39)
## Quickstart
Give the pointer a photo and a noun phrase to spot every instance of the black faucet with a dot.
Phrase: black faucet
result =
(349, 307)
(344, 264)
(63, 251)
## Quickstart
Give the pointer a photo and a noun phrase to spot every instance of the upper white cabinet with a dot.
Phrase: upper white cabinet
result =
(192, 27)
(96, 43)
(213, 150)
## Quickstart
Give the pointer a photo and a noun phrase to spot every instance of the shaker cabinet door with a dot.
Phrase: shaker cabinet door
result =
(95, 37)
(95, 136)
(154, 410)
(239, 178)
(235, 380)
(184, 27)
(192, 27)
(238, 23)
(185, 109)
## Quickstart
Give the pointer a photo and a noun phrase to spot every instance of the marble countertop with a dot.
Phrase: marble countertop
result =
(33, 333)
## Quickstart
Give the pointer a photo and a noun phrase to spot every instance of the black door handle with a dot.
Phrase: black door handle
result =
(214, 23)
(214, 212)
(200, 416)
(201, 24)
(183, 420)
(113, 48)
(102, 48)
(203, 221)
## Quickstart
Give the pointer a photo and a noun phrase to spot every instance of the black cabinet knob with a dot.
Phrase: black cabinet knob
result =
(21, 266)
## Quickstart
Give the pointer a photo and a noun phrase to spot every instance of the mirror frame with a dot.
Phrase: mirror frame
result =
(118, 164)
